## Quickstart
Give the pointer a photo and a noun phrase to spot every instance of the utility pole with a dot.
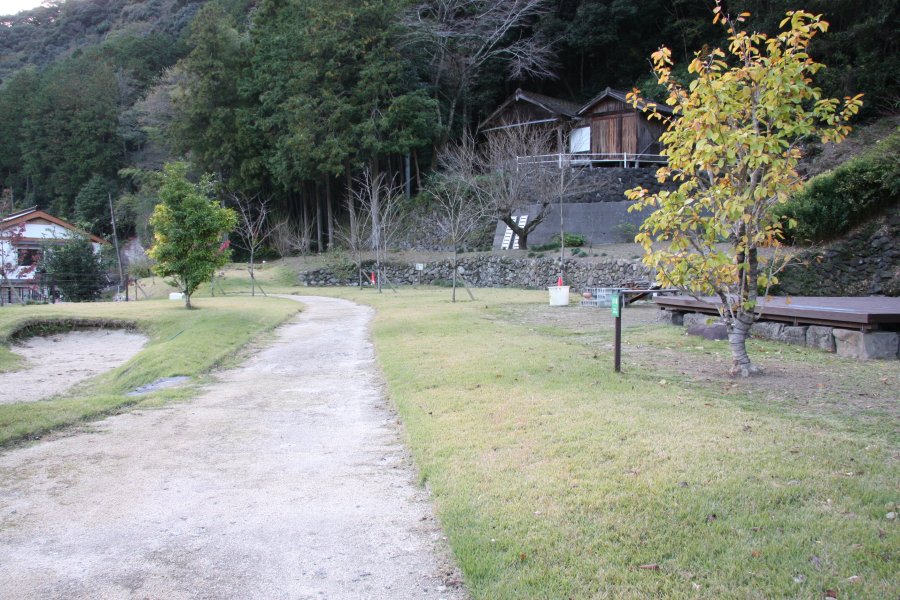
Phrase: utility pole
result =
(112, 215)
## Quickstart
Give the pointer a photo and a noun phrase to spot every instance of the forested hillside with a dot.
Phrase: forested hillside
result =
(291, 98)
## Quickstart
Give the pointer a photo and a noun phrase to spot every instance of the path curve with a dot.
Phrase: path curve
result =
(284, 479)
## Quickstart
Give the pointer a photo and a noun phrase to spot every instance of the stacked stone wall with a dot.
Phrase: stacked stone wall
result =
(497, 271)
(865, 263)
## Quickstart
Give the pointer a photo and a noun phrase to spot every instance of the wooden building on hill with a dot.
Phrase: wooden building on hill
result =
(530, 109)
(607, 130)
(616, 127)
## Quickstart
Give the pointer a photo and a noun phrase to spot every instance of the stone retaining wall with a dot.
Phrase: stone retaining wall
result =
(844, 342)
(497, 271)
(865, 263)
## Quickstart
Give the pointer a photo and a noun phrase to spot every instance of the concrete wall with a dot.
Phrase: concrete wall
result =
(594, 206)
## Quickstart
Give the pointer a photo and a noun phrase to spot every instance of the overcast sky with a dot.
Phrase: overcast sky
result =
(11, 7)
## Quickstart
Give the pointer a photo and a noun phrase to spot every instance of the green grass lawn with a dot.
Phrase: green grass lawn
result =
(556, 478)
(181, 342)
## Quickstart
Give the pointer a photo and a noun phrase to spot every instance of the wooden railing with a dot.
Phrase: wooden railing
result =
(585, 160)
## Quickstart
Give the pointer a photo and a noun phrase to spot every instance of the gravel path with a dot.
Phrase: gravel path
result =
(285, 479)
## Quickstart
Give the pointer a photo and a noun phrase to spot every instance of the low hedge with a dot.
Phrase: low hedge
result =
(832, 203)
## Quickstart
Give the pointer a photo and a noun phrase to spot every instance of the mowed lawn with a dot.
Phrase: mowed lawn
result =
(181, 343)
(556, 478)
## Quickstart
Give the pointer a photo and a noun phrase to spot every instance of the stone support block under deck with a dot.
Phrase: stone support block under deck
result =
(866, 346)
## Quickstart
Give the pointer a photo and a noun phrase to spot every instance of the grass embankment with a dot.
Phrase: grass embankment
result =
(556, 478)
(181, 342)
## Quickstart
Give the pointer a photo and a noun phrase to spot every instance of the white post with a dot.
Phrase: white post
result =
(625, 160)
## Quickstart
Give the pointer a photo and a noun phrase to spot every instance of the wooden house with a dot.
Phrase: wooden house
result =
(23, 237)
(606, 130)
(610, 125)
(531, 109)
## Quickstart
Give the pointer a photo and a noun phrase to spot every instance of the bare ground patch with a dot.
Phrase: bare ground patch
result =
(803, 379)
(57, 362)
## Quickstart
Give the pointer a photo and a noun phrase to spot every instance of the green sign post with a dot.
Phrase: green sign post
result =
(616, 306)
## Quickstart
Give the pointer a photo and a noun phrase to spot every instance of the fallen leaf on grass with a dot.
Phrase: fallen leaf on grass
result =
(650, 567)
(755, 554)
(831, 594)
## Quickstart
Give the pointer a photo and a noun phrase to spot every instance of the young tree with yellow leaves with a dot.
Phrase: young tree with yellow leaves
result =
(733, 144)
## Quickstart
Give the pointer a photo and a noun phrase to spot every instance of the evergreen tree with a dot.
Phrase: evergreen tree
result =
(75, 269)
(92, 205)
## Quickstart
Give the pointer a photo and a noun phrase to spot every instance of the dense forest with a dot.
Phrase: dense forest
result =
(290, 99)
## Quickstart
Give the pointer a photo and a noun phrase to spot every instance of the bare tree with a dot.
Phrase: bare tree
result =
(252, 228)
(288, 238)
(355, 236)
(379, 199)
(459, 208)
(461, 37)
(512, 175)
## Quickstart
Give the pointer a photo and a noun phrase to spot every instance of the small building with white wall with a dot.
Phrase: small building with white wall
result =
(23, 237)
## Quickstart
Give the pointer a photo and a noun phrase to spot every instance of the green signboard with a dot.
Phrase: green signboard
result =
(615, 305)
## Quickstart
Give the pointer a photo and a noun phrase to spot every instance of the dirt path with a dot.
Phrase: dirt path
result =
(285, 479)
(57, 362)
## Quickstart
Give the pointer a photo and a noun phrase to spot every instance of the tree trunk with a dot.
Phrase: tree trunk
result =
(354, 225)
(415, 156)
(738, 330)
(318, 193)
(375, 203)
(252, 275)
(187, 301)
(454, 274)
(329, 204)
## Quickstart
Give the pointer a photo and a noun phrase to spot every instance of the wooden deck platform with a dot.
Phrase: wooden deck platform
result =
(865, 313)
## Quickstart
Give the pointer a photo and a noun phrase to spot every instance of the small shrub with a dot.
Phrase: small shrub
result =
(572, 240)
(627, 230)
